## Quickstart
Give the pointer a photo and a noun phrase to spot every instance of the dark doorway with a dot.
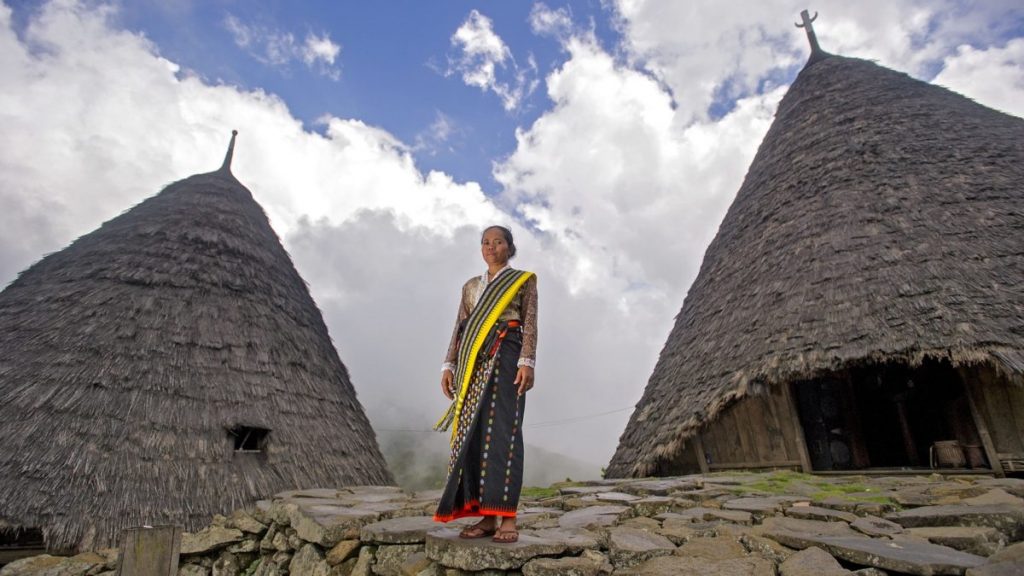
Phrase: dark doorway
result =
(887, 416)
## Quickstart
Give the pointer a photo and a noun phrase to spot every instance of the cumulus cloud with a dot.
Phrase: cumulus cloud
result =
(613, 192)
(994, 76)
(545, 21)
(278, 49)
(482, 54)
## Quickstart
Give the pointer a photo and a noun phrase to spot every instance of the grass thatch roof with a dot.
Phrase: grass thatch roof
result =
(881, 219)
(126, 357)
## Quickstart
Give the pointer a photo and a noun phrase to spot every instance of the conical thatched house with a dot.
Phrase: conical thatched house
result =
(862, 305)
(166, 367)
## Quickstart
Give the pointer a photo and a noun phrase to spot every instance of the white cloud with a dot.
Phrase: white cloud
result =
(993, 76)
(545, 21)
(481, 53)
(278, 49)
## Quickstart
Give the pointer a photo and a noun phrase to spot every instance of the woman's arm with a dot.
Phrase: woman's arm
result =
(528, 355)
(448, 368)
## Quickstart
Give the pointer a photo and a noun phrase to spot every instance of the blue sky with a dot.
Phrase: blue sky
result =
(611, 136)
(391, 68)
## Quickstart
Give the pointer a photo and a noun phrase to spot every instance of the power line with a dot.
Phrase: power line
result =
(545, 424)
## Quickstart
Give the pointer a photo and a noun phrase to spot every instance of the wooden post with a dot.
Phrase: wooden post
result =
(702, 459)
(798, 430)
(150, 551)
(979, 421)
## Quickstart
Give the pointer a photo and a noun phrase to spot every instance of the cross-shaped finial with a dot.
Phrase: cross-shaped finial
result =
(806, 25)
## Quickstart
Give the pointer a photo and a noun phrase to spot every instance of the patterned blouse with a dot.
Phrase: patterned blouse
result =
(523, 308)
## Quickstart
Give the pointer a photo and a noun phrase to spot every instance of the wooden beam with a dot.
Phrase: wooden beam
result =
(698, 448)
(979, 421)
(801, 444)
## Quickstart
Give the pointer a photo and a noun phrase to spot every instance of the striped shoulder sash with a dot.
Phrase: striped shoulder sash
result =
(496, 297)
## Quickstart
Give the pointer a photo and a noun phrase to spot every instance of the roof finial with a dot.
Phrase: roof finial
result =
(226, 166)
(811, 37)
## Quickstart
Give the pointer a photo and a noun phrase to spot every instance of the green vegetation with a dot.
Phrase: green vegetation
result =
(538, 493)
(816, 488)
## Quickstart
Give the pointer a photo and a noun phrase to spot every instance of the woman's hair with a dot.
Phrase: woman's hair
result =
(507, 234)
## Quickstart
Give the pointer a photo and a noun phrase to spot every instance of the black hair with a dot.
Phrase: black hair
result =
(507, 234)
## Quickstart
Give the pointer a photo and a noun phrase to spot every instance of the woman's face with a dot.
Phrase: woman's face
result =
(494, 248)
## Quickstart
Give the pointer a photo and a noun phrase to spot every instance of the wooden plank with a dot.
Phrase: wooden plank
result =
(776, 430)
(783, 418)
(698, 449)
(757, 424)
(798, 430)
(858, 448)
(746, 451)
(150, 551)
(1001, 422)
(971, 385)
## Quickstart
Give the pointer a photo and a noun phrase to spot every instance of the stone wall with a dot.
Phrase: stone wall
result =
(756, 524)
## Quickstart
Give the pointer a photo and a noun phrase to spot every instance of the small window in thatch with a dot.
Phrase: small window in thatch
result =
(249, 438)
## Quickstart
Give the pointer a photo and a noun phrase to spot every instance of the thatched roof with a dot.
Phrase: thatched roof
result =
(126, 357)
(882, 219)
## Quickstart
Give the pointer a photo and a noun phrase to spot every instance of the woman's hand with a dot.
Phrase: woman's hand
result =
(524, 379)
(446, 384)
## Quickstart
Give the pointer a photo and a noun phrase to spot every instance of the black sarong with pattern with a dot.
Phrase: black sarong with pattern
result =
(485, 470)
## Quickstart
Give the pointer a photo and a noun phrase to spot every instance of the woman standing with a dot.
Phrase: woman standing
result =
(488, 369)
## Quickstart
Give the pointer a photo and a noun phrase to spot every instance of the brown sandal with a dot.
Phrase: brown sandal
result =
(506, 536)
(476, 531)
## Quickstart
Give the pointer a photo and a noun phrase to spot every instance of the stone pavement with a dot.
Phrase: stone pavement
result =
(730, 524)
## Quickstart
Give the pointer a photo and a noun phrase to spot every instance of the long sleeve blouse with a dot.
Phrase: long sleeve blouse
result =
(523, 308)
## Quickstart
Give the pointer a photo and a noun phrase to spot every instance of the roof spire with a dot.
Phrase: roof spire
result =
(226, 166)
(816, 51)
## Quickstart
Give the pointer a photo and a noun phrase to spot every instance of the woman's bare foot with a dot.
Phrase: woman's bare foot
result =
(481, 529)
(507, 533)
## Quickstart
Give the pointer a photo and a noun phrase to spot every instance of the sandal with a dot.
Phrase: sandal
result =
(506, 536)
(477, 531)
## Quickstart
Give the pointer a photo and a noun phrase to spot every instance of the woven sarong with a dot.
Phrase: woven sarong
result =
(485, 469)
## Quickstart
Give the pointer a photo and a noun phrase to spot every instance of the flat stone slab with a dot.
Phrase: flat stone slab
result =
(592, 516)
(979, 540)
(875, 526)
(445, 547)
(612, 497)
(1007, 519)
(407, 530)
(786, 524)
(208, 539)
(589, 564)
(716, 549)
(581, 490)
(328, 525)
(818, 513)
(761, 506)
(629, 546)
(679, 566)
(907, 557)
(996, 496)
(660, 487)
(701, 514)
(812, 561)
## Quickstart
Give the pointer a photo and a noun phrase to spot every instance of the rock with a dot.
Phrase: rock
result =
(996, 497)
(614, 497)
(407, 530)
(712, 549)
(812, 561)
(766, 548)
(416, 564)
(267, 568)
(364, 563)
(980, 540)
(244, 547)
(327, 525)
(342, 551)
(786, 524)
(1014, 553)
(629, 546)
(208, 540)
(244, 521)
(282, 559)
(47, 565)
(679, 566)
(193, 570)
(226, 565)
(677, 531)
(642, 523)
(389, 559)
(589, 564)
(575, 540)
(267, 543)
(818, 513)
(1001, 569)
(875, 526)
(280, 542)
(445, 547)
(1007, 519)
(870, 571)
(757, 506)
(308, 561)
(294, 542)
(702, 514)
(593, 516)
(660, 487)
(652, 505)
(1013, 486)
(907, 557)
